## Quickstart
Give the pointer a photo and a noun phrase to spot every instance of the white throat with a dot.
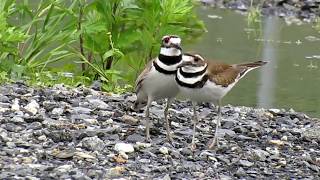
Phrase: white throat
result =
(193, 69)
(170, 51)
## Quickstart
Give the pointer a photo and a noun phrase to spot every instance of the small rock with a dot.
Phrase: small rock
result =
(246, 163)
(64, 168)
(91, 121)
(284, 138)
(120, 159)
(80, 110)
(116, 171)
(32, 107)
(129, 120)
(17, 120)
(57, 111)
(93, 143)
(15, 105)
(35, 125)
(164, 150)
(276, 142)
(84, 155)
(140, 145)
(260, 154)
(124, 147)
(282, 162)
(97, 103)
(275, 111)
(66, 154)
(42, 138)
(135, 138)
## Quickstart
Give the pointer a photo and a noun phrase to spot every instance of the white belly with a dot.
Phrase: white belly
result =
(159, 86)
(210, 92)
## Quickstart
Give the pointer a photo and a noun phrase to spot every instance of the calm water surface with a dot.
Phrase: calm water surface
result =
(292, 77)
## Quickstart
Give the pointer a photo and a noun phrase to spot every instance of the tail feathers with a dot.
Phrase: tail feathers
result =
(246, 67)
(253, 64)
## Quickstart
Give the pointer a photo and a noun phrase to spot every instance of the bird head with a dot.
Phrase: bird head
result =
(171, 41)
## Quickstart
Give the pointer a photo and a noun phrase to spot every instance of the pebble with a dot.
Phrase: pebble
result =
(124, 147)
(57, 111)
(276, 142)
(164, 150)
(32, 107)
(93, 143)
(129, 120)
(70, 137)
(246, 163)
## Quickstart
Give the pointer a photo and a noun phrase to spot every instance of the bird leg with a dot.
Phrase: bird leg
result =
(166, 113)
(195, 121)
(147, 115)
(215, 141)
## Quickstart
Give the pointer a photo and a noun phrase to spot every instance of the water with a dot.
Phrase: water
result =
(290, 80)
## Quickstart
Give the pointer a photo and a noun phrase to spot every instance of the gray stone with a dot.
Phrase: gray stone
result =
(80, 110)
(246, 163)
(99, 104)
(93, 143)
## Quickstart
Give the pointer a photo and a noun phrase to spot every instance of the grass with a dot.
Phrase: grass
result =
(102, 40)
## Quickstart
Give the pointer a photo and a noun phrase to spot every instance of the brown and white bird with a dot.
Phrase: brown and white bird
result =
(157, 80)
(208, 81)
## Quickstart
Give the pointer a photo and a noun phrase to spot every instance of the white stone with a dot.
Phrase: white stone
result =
(276, 111)
(32, 107)
(15, 105)
(124, 147)
(57, 111)
(164, 150)
(64, 168)
(141, 145)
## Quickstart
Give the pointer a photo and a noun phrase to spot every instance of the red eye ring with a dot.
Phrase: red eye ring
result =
(166, 39)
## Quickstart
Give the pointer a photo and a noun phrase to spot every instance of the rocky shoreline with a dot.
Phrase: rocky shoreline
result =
(80, 133)
(290, 10)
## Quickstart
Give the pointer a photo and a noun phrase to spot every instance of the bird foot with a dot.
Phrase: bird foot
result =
(214, 144)
(193, 147)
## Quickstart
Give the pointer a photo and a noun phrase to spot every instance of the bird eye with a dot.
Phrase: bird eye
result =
(166, 40)
(196, 59)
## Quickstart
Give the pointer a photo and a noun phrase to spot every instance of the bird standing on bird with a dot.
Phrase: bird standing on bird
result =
(209, 81)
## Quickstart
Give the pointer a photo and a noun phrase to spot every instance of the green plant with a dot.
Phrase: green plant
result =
(254, 19)
(112, 39)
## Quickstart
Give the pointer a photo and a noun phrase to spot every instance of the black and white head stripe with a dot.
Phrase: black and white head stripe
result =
(196, 84)
(170, 55)
(192, 76)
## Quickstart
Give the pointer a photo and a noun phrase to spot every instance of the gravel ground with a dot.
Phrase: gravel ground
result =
(293, 11)
(61, 133)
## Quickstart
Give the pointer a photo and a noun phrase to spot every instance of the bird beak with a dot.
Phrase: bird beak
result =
(185, 63)
(175, 45)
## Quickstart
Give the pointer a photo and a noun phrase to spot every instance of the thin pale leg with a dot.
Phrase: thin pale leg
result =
(195, 121)
(148, 120)
(215, 142)
(166, 113)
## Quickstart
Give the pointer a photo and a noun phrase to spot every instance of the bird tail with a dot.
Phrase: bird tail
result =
(253, 64)
(246, 67)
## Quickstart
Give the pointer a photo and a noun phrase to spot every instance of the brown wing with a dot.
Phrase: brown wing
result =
(222, 74)
(225, 74)
(143, 75)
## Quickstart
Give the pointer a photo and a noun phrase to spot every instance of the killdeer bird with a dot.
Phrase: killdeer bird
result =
(157, 80)
(209, 81)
